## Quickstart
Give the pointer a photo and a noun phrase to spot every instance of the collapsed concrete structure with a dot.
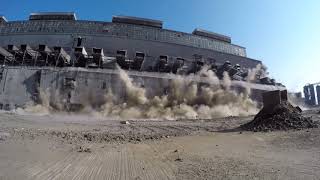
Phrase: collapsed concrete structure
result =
(77, 58)
(278, 114)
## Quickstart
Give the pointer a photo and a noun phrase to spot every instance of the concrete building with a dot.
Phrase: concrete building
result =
(310, 95)
(130, 34)
(71, 58)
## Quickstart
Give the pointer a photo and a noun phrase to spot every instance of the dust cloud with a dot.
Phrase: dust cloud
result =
(260, 71)
(184, 99)
(296, 101)
(41, 108)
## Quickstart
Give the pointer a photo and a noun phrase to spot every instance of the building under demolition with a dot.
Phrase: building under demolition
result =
(312, 94)
(55, 50)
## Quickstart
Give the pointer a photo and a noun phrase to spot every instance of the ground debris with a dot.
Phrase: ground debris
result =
(124, 122)
(280, 117)
(83, 149)
(4, 136)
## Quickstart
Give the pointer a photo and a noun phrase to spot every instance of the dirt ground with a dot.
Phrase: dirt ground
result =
(84, 147)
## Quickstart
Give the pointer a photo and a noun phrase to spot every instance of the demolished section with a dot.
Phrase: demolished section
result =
(279, 114)
(184, 99)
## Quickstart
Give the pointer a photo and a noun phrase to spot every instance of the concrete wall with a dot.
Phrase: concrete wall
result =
(91, 87)
(318, 94)
(20, 85)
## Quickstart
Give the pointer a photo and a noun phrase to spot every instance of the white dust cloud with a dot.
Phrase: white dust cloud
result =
(297, 101)
(185, 99)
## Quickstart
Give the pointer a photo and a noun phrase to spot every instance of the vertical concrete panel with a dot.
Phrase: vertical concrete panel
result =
(309, 93)
(318, 94)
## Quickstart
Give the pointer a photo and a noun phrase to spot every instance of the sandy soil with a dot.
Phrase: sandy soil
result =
(83, 147)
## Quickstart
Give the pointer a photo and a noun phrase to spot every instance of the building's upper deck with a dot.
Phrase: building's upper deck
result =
(130, 29)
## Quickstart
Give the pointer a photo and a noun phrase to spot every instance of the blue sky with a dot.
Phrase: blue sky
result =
(284, 34)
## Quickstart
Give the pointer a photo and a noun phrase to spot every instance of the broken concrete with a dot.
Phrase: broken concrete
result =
(279, 115)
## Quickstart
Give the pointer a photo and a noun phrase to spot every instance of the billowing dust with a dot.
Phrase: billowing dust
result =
(185, 99)
(297, 101)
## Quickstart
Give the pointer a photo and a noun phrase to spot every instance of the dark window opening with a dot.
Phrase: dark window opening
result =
(140, 55)
(164, 58)
(122, 52)
(69, 83)
(79, 41)
(57, 49)
(179, 59)
(42, 47)
(97, 50)
(78, 49)
(7, 107)
(104, 85)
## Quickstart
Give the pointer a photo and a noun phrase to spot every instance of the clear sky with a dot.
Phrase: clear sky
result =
(284, 34)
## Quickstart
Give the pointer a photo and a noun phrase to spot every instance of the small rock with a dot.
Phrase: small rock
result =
(179, 160)
(88, 150)
(175, 150)
(83, 149)
(79, 149)
(124, 122)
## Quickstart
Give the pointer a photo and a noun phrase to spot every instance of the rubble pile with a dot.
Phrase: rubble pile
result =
(279, 116)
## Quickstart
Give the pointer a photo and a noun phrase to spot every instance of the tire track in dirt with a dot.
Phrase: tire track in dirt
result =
(131, 161)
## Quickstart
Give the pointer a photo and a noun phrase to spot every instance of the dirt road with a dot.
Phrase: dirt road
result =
(83, 147)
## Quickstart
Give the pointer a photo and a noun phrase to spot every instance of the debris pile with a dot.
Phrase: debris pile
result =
(280, 115)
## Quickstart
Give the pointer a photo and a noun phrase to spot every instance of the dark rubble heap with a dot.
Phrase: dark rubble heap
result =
(282, 116)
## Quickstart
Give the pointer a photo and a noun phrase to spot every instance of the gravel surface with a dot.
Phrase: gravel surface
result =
(84, 147)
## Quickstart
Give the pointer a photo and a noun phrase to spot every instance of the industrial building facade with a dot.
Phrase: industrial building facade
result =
(312, 94)
(77, 59)
(130, 34)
